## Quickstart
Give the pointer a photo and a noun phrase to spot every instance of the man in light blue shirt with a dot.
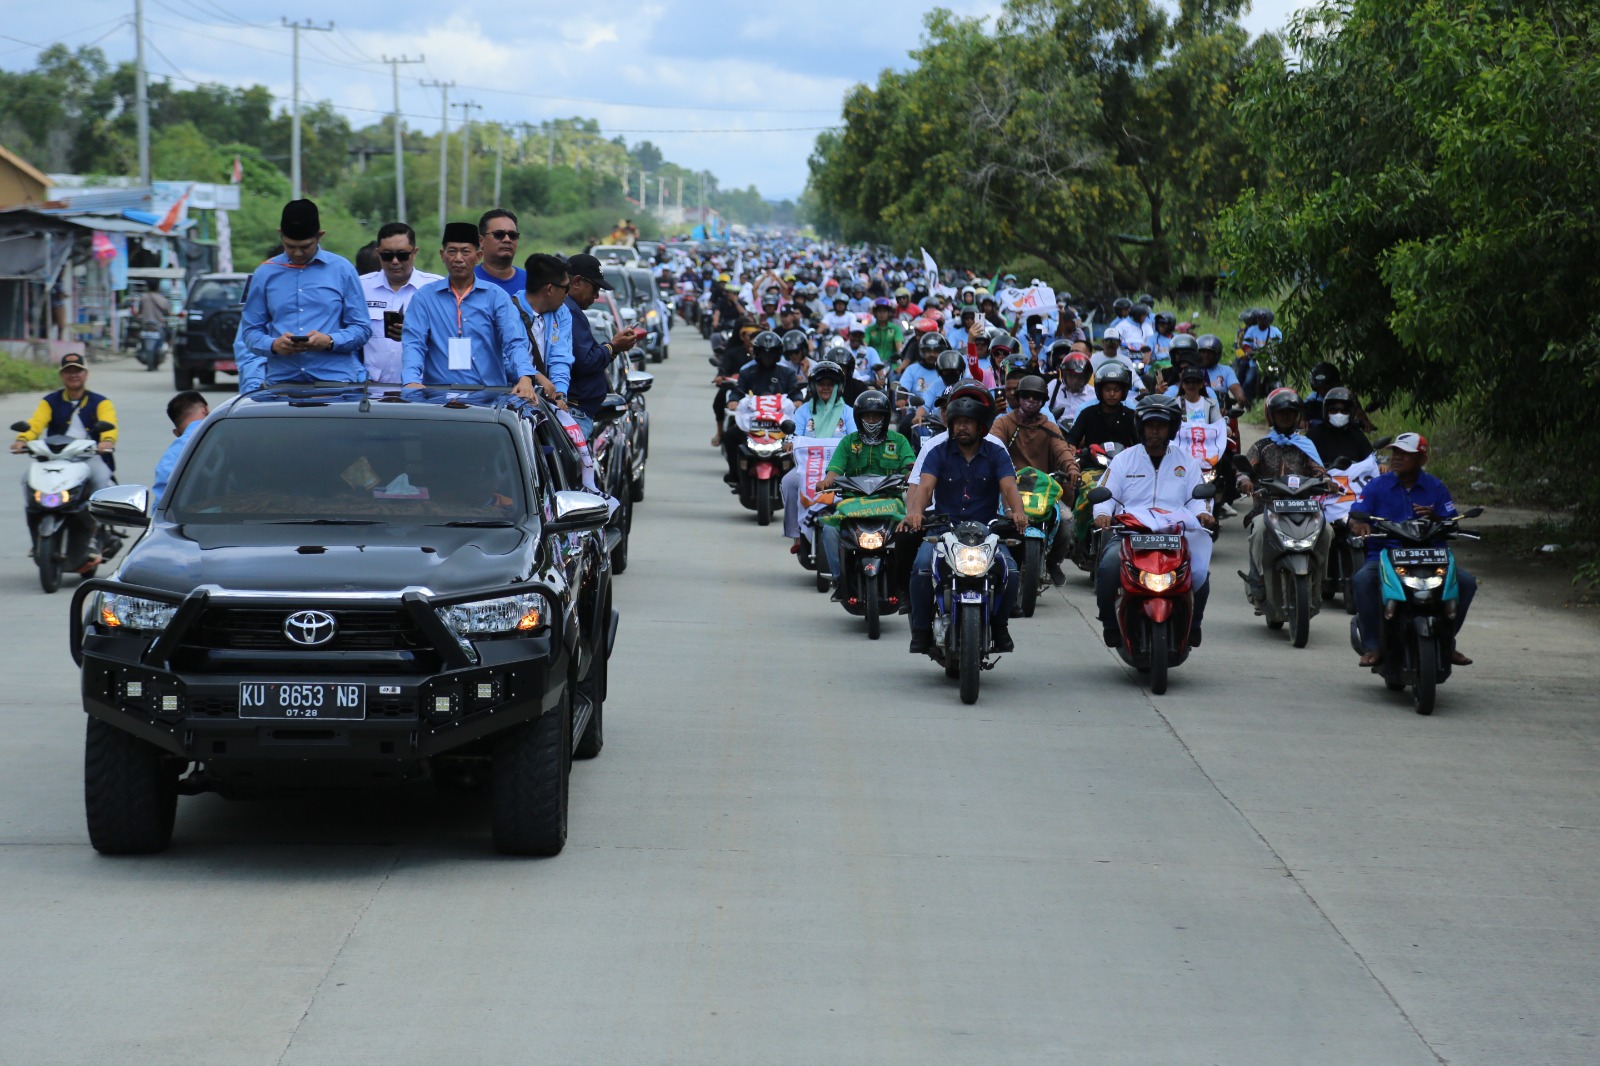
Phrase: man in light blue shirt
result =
(305, 316)
(460, 331)
(549, 319)
(186, 410)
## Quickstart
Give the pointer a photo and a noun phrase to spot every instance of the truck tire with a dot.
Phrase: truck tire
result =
(130, 792)
(532, 766)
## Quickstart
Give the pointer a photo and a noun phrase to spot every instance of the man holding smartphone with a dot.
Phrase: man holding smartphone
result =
(587, 387)
(305, 316)
(389, 290)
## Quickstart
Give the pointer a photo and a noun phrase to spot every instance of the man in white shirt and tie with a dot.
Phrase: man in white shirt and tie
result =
(389, 291)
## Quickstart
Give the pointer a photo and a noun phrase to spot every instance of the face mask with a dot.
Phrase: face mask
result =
(1339, 421)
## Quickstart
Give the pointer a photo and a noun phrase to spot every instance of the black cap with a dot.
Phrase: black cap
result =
(300, 221)
(460, 233)
(587, 267)
(73, 359)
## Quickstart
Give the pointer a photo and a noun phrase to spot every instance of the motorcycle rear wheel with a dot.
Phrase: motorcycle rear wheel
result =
(1032, 570)
(47, 555)
(1300, 611)
(970, 652)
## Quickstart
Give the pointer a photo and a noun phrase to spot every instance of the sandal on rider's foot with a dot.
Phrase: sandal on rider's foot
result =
(1371, 658)
(794, 549)
(1457, 659)
(95, 560)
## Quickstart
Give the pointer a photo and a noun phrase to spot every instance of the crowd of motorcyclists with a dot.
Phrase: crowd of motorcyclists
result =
(944, 445)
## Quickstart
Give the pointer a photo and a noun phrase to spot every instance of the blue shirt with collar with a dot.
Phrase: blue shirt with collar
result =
(552, 336)
(324, 295)
(1386, 497)
(590, 359)
(968, 490)
(514, 286)
(484, 315)
(923, 383)
(169, 459)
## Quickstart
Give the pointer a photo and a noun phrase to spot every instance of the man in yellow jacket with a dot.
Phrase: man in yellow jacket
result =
(74, 411)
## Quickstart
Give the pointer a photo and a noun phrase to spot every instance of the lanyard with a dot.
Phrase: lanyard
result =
(463, 296)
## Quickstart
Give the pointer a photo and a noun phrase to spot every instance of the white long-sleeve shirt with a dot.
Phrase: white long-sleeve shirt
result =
(1137, 487)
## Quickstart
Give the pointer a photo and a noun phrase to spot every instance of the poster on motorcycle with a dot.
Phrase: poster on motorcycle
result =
(1036, 299)
(1352, 479)
(811, 455)
(1205, 441)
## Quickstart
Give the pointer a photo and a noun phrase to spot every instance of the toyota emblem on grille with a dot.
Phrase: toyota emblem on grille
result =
(309, 627)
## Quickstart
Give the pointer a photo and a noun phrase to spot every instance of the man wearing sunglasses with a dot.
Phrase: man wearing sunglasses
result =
(389, 290)
(497, 237)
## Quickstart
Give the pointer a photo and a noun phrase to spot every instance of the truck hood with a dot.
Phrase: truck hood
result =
(312, 559)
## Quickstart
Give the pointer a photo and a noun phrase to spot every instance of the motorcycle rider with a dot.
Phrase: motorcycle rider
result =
(1070, 391)
(1033, 439)
(967, 478)
(1109, 352)
(839, 320)
(765, 376)
(1111, 420)
(1221, 377)
(1283, 452)
(885, 336)
(73, 411)
(153, 308)
(1337, 434)
(1195, 399)
(1158, 476)
(1404, 493)
(824, 416)
(870, 449)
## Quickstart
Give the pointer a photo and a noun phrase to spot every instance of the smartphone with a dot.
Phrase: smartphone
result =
(298, 338)
(393, 318)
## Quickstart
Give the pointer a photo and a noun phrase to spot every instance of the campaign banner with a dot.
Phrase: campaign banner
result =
(1204, 441)
(1352, 479)
(811, 455)
(1036, 299)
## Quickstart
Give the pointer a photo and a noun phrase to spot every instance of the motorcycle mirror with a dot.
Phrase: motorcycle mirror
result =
(1242, 465)
(19, 427)
(1206, 491)
(1473, 513)
(1341, 463)
(1099, 494)
(104, 427)
(1381, 443)
(712, 360)
(788, 427)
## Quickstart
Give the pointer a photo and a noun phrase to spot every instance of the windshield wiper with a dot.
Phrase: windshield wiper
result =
(479, 523)
(326, 522)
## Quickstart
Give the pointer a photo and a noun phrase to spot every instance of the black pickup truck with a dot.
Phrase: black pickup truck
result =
(350, 585)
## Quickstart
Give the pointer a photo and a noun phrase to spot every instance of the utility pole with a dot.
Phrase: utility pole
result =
(399, 139)
(550, 146)
(444, 142)
(643, 195)
(294, 132)
(140, 93)
(466, 107)
(499, 155)
(680, 192)
(661, 195)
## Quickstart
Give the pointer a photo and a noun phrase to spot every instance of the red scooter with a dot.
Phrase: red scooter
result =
(1155, 600)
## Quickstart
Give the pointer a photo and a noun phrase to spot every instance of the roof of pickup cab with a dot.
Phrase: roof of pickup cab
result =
(475, 403)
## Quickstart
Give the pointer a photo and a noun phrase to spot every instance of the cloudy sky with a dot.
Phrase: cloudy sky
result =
(736, 88)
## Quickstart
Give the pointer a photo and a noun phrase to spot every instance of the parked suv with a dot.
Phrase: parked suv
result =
(346, 586)
(210, 321)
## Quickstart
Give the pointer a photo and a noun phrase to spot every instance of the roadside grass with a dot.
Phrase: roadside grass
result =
(21, 375)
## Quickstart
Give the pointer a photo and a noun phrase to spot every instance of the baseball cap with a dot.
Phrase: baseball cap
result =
(587, 267)
(73, 359)
(1415, 443)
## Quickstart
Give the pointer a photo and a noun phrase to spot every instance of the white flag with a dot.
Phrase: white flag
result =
(931, 267)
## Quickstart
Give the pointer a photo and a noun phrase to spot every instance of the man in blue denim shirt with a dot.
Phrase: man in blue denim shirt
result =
(305, 315)
(1402, 494)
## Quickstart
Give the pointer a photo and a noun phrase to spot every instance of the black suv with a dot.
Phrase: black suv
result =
(346, 585)
(210, 321)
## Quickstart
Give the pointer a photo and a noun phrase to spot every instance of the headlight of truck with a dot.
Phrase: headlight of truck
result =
(524, 613)
(971, 560)
(133, 613)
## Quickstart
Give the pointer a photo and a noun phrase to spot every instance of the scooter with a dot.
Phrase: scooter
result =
(1292, 509)
(1041, 494)
(968, 593)
(1420, 603)
(151, 342)
(867, 511)
(1155, 601)
(762, 463)
(58, 516)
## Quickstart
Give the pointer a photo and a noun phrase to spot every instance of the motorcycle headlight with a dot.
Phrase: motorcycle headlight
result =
(1156, 582)
(1300, 544)
(765, 447)
(971, 560)
(1421, 583)
(524, 613)
(870, 541)
(133, 613)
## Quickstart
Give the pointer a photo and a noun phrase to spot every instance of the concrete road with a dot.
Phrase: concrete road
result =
(799, 847)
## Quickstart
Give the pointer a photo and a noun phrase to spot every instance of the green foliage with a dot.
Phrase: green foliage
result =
(23, 375)
(1093, 135)
(1430, 208)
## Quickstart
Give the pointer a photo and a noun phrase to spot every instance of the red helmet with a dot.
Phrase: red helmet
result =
(924, 325)
(1076, 363)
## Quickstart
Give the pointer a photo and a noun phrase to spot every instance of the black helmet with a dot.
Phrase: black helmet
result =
(766, 347)
(1139, 310)
(1113, 372)
(1338, 394)
(1056, 351)
(795, 342)
(1282, 400)
(1190, 372)
(824, 369)
(970, 401)
(872, 416)
(1033, 385)
(1324, 376)
(1166, 318)
(1159, 407)
(1184, 349)
(1264, 318)
(1121, 305)
(1148, 300)
(1001, 341)
(933, 341)
(951, 365)
(1248, 316)
(1210, 346)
